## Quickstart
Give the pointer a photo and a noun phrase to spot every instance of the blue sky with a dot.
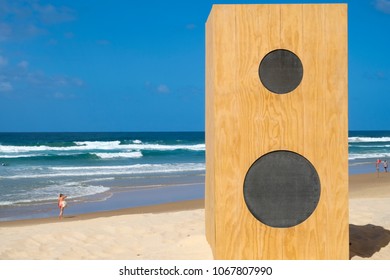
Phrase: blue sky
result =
(120, 65)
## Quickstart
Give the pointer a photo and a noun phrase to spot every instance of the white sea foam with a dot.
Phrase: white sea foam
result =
(354, 156)
(9, 150)
(85, 171)
(119, 155)
(368, 139)
(99, 179)
(98, 145)
(368, 146)
(159, 147)
(51, 193)
(361, 163)
(19, 155)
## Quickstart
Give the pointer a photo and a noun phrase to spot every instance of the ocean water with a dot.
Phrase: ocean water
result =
(91, 167)
(118, 170)
(365, 147)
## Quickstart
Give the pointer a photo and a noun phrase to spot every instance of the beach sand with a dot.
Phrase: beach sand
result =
(369, 216)
(176, 231)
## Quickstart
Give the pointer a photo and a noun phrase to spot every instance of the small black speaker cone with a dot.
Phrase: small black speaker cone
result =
(281, 71)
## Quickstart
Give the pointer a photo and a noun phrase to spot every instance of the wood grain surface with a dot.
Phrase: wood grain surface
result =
(245, 121)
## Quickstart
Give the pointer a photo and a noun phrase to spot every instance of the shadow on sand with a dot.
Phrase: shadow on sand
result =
(365, 241)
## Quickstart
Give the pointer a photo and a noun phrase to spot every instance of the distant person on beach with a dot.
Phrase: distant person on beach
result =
(378, 162)
(385, 165)
(61, 204)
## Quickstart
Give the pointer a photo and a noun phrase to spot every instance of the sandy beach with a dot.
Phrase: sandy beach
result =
(176, 230)
(369, 216)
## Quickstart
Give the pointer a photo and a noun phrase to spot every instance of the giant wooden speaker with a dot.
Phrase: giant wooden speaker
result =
(277, 131)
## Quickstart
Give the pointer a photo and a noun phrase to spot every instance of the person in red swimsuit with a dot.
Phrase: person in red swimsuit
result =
(61, 204)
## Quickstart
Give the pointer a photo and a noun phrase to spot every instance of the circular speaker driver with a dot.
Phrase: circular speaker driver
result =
(282, 189)
(281, 71)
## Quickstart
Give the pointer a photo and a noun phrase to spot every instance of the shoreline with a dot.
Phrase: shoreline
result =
(176, 230)
(125, 193)
(178, 206)
(186, 196)
(369, 185)
(122, 196)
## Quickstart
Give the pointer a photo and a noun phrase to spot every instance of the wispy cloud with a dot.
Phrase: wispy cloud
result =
(21, 80)
(42, 80)
(160, 88)
(61, 95)
(22, 20)
(5, 87)
(383, 6)
(50, 14)
(163, 88)
(29, 18)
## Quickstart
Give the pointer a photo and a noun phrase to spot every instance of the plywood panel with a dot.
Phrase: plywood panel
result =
(209, 135)
(244, 121)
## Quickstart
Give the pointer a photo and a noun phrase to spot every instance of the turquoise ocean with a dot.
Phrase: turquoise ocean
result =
(97, 171)
(108, 171)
